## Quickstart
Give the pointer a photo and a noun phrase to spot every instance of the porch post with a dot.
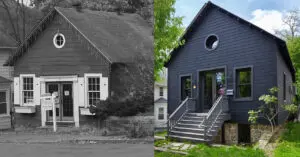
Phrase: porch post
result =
(76, 104)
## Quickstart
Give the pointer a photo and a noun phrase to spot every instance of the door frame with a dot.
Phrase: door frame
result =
(60, 93)
(200, 99)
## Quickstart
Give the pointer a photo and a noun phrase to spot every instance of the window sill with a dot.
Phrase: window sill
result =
(86, 112)
(25, 109)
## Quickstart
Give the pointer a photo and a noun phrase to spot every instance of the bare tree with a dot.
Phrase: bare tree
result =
(292, 21)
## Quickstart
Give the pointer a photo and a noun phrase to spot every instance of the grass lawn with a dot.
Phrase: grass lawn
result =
(289, 144)
(161, 133)
(203, 150)
(225, 151)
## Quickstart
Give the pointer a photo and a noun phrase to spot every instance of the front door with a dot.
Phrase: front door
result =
(212, 82)
(3, 102)
(64, 107)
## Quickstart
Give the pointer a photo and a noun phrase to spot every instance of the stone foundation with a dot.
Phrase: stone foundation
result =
(257, 130)
(231, 133)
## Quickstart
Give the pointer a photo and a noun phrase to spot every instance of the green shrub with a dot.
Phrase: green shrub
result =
(166, 154)
(230, 151)
(287, 149)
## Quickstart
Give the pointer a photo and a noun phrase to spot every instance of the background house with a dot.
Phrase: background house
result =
(7, 46)
(161, 101)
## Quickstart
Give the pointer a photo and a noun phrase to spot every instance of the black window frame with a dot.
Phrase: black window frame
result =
(161, 116)
(236, 83)
(181, 89)
(161, 91)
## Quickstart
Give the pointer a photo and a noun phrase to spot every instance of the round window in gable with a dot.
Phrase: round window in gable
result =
(211, 42)
(59, 40)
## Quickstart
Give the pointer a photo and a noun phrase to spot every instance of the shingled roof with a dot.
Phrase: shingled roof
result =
(119, 38)
(208, 6)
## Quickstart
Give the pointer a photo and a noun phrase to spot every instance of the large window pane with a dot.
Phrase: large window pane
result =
(93, 90)
(186, 87)
(243, 83)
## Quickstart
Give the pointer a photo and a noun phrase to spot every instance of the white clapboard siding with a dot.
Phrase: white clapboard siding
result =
(37, 90)
(81, 91)
(103, 88)
(16, 90)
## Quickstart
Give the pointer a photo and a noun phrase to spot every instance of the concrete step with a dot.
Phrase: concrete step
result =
(183, 138)
(186, 117)
(196, 114)
(186, 121)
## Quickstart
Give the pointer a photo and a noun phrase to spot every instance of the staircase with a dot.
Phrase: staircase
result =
(198, 127)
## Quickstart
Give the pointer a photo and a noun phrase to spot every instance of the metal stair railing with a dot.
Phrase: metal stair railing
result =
(179, 112)
(220, 106)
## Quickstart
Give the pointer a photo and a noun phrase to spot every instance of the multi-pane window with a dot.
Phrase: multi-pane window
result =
(186, 87)
(27, 90)
(93, 90)
(161, 91)
(161, 114)
(243, 83)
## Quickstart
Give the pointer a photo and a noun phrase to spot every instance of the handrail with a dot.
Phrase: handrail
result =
(217, 102)
(186, 99)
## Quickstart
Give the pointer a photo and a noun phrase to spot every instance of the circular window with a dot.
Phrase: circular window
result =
(59, 40)
(211, 42)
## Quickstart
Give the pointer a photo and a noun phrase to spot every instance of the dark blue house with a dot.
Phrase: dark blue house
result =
(217, 76)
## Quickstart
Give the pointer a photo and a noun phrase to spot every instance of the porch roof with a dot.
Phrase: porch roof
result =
(4, 80)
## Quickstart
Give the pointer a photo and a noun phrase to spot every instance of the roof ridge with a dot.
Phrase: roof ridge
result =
(93, 44)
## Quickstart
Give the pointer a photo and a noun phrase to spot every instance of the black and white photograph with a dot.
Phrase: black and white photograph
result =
(76, 78)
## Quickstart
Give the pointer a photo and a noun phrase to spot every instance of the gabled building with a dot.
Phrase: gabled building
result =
(217, 76)
(83, 55)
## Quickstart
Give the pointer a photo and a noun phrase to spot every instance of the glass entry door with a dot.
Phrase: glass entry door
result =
(64, 107)
(213, 82)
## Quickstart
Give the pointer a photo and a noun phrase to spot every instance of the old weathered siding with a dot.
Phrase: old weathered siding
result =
(5, 71)
(239, 45)
(43, 58)
(281, 70)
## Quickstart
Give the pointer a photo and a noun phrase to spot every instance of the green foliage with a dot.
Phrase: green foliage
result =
(167, 31)
(114, 106)
(160, 143)
(253, 115)
(161, 133)
(268, 99)
(292, 108)
(293, 45)
(227, 151)
(289, 144)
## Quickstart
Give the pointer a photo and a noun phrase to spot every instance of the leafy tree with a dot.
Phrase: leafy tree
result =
(167, 31)
(270, 109)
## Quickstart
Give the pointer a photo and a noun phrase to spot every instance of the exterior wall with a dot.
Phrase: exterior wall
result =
(156, 92)
(44, 59)
(281, 70)
(239, 46)
(160, 123)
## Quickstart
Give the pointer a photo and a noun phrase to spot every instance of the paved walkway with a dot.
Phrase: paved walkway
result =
(81, 139)
(76, 150)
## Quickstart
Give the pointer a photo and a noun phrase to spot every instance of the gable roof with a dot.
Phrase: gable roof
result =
(119, 38)
(161, 100)
(209, 5)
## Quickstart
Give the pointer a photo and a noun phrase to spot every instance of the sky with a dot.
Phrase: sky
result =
(266, 14)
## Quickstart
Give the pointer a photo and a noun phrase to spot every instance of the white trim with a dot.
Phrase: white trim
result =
(21, 89)
(54, 40)
(83, 35)
(86, 111)
(86, 76)
(71, 78)
(25, 109)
